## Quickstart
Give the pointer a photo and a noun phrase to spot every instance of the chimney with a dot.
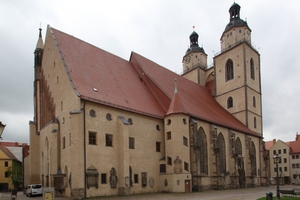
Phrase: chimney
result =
(274, 141)
(297, 137)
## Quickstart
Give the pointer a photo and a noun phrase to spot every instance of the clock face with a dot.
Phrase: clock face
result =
(187, 59)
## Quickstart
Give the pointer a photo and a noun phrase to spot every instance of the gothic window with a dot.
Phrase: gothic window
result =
(229, 70)
(254, 122)
(200, 143)
(254, 102)
(252, 73)
(253, 159)
(238, 147)
(221, 153)
(230, 102)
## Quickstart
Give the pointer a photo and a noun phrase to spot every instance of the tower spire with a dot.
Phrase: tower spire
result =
(40, 43)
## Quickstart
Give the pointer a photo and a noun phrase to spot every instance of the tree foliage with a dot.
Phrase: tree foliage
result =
(15, 173)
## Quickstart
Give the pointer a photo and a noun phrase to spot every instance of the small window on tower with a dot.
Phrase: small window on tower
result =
(229, 74)
(230, 102)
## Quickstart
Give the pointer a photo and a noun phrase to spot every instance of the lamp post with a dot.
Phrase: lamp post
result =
(276, 161)
(2, 126)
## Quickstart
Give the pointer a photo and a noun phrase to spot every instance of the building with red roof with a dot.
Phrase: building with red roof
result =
(107, 126)
(289, 165)
(8, 161)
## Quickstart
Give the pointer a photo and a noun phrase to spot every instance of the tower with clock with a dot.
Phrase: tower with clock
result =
(195, 61)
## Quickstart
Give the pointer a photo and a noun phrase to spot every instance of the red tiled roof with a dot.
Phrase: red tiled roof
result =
(294, 146)
(211, 86)
(269, 144)
(139, 85)
(176, 105)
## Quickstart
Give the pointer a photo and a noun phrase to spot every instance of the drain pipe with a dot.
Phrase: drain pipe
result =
(84, 148)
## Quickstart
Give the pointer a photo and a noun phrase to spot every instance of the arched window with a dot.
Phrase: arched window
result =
(252, 153)
(230, 102)
(252, 73)
(229, 70)
(254, 122)
(221, 156)
(254, 102)
(238, 147)
(202, 144)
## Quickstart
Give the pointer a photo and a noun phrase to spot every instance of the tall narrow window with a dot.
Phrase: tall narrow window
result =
(252, 73)
(230, 102)
(200, 145)
(185, 141)
(229, 70)
(221, 156)
(254, 102)
(108, 140)
(254, 122)
(238, 147)
(64, 142)
(103, 179)
(131, 143)
(157, 146)
(253, 158)
(169, 135)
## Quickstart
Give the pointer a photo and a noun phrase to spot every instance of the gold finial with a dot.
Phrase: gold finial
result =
(193, 28)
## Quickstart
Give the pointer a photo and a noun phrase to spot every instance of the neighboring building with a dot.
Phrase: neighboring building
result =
(19, 152)
(295, 160)
(106, 126)
(7, 162)
(283, 150)
(289, 166)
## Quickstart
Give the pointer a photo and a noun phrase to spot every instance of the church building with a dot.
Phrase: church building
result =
(105, 126)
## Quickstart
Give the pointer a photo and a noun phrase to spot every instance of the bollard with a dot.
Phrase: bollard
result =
(269, 196)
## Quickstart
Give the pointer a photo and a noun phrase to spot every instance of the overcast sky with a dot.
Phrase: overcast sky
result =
(158, 30)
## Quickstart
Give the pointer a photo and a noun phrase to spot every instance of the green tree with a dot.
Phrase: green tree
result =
(15, 173)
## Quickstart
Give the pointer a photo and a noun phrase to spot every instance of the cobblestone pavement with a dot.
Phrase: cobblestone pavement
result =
(231, 194)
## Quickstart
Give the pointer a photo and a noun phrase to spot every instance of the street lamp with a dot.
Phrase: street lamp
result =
(2, 126)
(276, 161)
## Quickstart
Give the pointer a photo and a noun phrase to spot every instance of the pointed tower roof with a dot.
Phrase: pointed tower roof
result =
(40, 43)
(176, 105)
(235, 20)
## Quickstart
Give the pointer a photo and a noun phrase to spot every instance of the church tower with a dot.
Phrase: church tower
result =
(38, 55)
(237, 73)
(194, 61)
